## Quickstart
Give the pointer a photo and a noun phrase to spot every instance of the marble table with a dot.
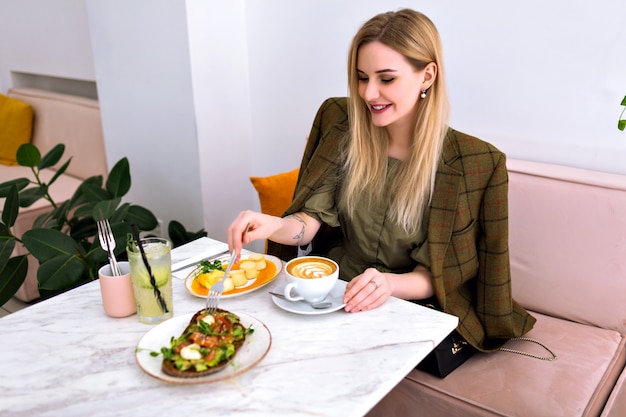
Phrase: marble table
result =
(66, 357)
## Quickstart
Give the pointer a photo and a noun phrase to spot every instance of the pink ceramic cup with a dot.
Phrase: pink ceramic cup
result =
(117, 291)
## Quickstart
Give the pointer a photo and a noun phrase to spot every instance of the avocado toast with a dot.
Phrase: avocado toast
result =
(207, 345)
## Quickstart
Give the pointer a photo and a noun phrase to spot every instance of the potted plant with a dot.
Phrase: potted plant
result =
(63, 240)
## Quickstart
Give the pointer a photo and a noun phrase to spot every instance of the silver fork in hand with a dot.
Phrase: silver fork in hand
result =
(107, 243)
(215, 293)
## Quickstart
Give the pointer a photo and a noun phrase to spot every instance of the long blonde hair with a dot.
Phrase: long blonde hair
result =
(414, 36)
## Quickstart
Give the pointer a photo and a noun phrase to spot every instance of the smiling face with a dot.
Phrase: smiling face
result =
(389, 85)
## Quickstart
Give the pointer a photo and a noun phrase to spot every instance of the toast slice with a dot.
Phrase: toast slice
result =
(207, 345)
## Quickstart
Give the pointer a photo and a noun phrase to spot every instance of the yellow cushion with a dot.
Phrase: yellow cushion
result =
(276, 191)
(16, 126)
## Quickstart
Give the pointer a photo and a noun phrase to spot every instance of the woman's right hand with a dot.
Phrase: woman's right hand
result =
(249, 226)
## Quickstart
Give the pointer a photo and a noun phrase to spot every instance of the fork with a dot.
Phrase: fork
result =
(215, 293)
(107, 243)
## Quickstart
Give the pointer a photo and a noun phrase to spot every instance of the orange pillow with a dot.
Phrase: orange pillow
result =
(16, 126)
(276, 191)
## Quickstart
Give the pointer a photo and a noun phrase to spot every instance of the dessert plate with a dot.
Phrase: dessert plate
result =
(265, 276)
(249, 354)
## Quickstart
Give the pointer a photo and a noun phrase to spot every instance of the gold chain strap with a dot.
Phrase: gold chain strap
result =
(520, 352)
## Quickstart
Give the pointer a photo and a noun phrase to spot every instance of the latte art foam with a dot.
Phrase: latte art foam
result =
(311, 268)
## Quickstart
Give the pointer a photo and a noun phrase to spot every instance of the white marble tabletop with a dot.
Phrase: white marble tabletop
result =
(66, 357)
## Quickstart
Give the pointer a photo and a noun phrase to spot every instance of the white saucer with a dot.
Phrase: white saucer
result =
(302, 307)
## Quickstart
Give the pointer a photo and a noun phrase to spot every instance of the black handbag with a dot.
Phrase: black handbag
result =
(451, 353)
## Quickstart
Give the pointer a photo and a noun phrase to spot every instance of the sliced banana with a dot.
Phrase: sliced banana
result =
(239, 277)
(249, 268)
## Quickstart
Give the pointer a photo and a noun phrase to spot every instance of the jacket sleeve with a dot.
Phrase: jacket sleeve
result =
(501, 316)
(493, 292)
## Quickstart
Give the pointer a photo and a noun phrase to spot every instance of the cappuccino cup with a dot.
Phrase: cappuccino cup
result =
(310, 278)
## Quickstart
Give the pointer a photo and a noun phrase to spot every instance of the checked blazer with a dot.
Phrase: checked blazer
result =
(467, 227)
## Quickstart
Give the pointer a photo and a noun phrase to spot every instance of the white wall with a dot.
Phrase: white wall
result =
(541, 80)
(298, 55)
(141, 56)
(44, 37)
(219, 65)
(194, 81)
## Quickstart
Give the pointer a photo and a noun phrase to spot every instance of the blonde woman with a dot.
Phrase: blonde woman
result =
(406, 205)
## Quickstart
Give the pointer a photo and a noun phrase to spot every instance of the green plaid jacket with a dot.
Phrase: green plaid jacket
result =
(467, 227)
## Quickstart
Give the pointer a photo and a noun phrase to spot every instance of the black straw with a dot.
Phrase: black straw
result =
(157, 293)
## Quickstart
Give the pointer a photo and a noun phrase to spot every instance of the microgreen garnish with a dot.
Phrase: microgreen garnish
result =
(210, 266)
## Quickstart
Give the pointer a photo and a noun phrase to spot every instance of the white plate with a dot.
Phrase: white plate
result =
(252, 352)
(302, 307)
(252, 285)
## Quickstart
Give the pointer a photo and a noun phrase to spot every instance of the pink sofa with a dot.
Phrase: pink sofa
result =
(58, 118)
(568, 259)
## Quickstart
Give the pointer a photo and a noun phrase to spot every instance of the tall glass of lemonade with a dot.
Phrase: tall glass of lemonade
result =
(152, 286)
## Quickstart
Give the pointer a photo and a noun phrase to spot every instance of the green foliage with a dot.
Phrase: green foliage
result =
(179, 236)
(64, 239)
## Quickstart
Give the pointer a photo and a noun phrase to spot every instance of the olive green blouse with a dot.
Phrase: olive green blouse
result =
(370, 238)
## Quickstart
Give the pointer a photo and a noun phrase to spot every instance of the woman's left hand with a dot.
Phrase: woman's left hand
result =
(367, 291)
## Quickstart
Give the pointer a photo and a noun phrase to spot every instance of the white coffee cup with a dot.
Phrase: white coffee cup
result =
(310, 278)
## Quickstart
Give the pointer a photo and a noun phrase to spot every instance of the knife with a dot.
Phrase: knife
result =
(196, 259)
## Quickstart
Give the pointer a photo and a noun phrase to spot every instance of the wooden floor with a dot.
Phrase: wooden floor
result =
(12, 306)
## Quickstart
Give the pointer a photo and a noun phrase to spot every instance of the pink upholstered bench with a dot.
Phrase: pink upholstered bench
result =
(568, 258)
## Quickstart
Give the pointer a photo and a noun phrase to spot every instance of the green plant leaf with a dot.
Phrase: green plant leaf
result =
(11, 207)
(53, 219)
(52, 157)
(120, 214)
(120, 232)
(12, 276)
(78, 198)
(28, 155)
(59, 215)
(106, 208)
(4, 232)
(45, 244)
(20, 183)
(95, 180)
(30, 195)
(94, 193)
(6, 249)
(59, 172)
(195, 235)
(142, 217)
(176, 232)
(60, 273)
(47, 221)
(623, 103)
(621, 124)
(84, 211)
(119, 181)
(84, 228)
(179, 235)
(96, 255)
